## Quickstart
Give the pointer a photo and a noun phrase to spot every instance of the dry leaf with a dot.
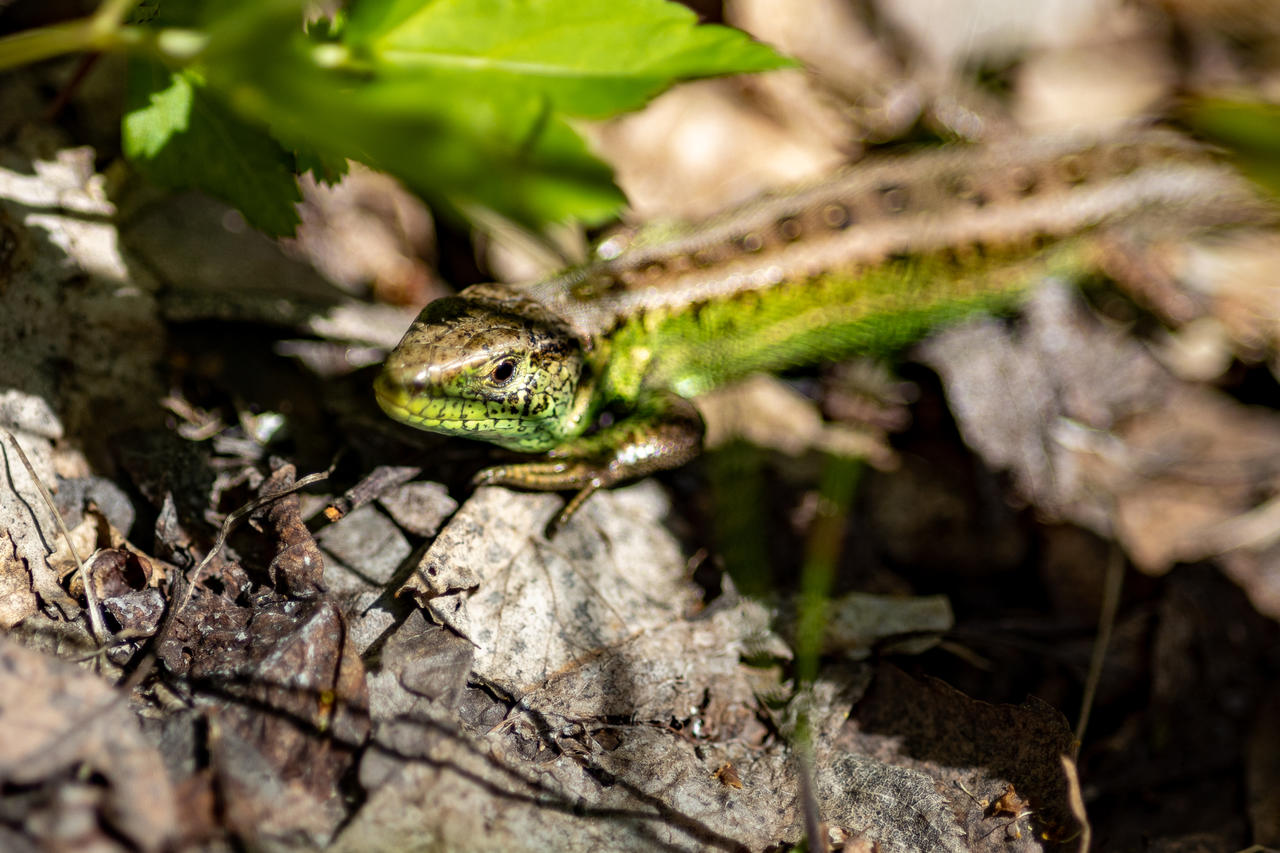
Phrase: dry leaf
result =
(61, 726)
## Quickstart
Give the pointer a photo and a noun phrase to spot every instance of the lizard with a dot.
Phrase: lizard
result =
(595, 367)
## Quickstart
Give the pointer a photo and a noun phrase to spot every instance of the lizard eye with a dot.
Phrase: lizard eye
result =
(502, 374)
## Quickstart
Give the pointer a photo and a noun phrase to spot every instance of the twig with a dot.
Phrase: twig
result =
(184, 583)
(1112, 584)
(83, 67)
(1075, 799)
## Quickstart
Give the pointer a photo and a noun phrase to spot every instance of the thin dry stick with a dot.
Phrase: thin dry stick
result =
(235, 517)
(806, 775)
(1075, 799)
(96, 623)
(185, 582)
(1112, 584)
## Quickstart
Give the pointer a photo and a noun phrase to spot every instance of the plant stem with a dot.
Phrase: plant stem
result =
(102, 31)
(826, 539)
(45, 43)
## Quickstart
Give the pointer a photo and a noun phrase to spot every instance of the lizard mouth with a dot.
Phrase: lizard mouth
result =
(424, 411)
(392, 397)
(399, 401)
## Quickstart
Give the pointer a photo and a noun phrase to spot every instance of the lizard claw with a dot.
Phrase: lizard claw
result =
(571, 508)
(537, 476)
(548, 476)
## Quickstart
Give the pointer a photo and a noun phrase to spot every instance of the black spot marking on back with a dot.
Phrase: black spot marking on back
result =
(964, 188)
(789, 228)
(680, 263)
(1073, 169)
(1023, 180)
(653, 268)
(893, 197)
(837, 216)
(750, 242)
(1126, 158)
(703, 258)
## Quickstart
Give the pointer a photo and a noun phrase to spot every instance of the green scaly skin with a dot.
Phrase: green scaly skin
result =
(865, 266)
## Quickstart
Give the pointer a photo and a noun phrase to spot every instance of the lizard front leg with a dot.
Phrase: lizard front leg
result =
(665, 431)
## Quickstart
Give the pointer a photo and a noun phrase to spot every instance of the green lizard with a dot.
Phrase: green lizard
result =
(595, 367)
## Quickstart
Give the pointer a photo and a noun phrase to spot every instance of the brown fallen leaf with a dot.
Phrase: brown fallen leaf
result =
(1095, 431)
(288, 694)
(24, 516)
(63, 730)
(1198, 462)
(17, 597)
(297, 569)
(533, 608)
(945, 732)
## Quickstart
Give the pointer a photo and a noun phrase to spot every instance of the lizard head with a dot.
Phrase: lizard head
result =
(485, 364)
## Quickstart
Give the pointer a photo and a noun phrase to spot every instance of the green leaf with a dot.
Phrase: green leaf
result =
(1250, 129)
(476, 147)
(589, 58)
(181, 138)
(1243, 124)
(323, 167)
(468, 101)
